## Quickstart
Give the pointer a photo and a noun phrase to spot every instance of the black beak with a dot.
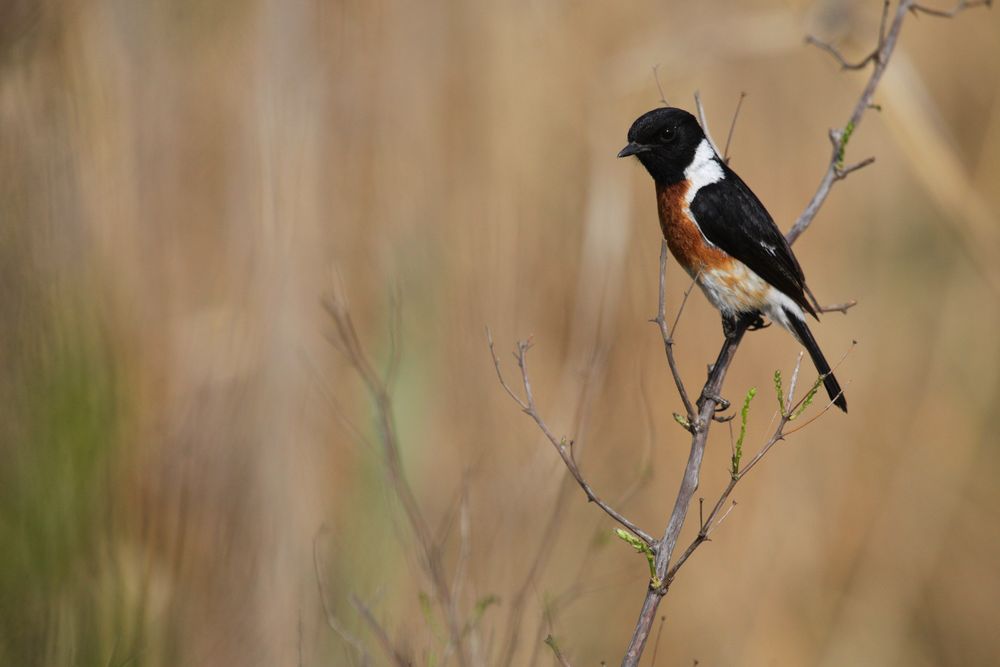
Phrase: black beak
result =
(632, 149)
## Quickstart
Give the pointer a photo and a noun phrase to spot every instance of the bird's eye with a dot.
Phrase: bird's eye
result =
(667, 135)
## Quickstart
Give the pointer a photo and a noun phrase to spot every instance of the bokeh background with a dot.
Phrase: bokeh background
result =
(183, 450)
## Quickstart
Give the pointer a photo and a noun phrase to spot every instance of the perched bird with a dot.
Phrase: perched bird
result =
(721, 234)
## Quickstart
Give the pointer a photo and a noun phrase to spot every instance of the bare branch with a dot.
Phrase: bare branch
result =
(668, 341)
(732, 126)
(794, 380)
(704, 121)
(841, 172)
(391, 652)
(550, 531)
(332, 620)
(349, 343)
(838, 56)
(962, 5)
(656, 78)
(838, 307)
(563, 448)
(886, 46)
(550, 641)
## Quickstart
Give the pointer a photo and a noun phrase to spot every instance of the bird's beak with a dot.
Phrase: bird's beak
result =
(633, 148)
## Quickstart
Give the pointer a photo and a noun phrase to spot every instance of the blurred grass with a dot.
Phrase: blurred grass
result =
(177, 180)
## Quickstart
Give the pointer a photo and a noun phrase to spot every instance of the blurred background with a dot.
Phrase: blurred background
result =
(186, 456)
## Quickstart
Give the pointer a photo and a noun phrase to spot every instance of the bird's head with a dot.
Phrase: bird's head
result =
(665, 141)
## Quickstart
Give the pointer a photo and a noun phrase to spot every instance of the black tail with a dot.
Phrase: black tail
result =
(805, 337)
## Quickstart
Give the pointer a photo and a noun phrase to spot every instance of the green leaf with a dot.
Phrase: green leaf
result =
(744, 413)
(841, 148)
(809, 398)
(780, 392)
(644, 549)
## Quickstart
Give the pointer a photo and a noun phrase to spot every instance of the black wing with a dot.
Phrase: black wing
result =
(730, 216)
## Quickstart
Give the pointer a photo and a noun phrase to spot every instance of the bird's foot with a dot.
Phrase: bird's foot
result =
(721, 403)
(755, 322)
(732, 325)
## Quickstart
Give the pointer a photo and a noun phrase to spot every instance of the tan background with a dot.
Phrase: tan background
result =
(180, 183)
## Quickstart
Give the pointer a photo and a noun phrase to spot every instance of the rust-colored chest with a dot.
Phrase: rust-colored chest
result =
(683, 237)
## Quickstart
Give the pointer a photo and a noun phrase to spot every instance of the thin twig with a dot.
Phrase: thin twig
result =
(551, 529)
(704, 122)
(842, 172)
(886, 47)
(428, 552)
(732, 126)
(780, 433)
(550, 641)
(794, 380)
(391, 652)
(838, 307)
(656, 78)
(949, 13)
(667, 334)
(563, 447)
(838, 56)
(332, 620)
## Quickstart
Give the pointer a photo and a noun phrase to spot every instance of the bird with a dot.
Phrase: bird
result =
(721, 234)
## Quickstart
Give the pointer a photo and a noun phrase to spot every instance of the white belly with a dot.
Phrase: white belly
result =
(736, 289)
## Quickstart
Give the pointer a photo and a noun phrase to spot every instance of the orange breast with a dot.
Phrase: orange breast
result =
(683, 237)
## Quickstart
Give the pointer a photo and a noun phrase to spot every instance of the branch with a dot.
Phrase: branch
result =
(732, 126)
(332, 620)
(793, 411)
(563, 448)
(550, 641)
(949, 13)
(668, 334)
(391, 652)
(844, 63)
(835, 170)
(838, 307)
(707, 404)
(656, 78)
(704, 123)
(347, 341)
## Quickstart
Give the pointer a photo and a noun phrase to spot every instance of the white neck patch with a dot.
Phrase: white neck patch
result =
(703, 170)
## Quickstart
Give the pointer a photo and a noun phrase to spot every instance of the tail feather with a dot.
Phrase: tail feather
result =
(801, 331)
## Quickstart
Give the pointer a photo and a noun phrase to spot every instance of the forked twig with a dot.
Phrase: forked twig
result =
(563, 447)
(668, 334)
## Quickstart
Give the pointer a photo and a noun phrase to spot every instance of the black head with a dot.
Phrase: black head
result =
(665, 141)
